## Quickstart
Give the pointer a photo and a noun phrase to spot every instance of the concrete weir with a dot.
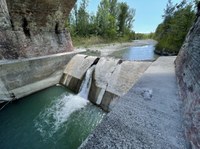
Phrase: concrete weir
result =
(112, 78)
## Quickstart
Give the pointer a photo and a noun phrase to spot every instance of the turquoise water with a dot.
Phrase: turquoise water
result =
(136, 53)
(53, 118)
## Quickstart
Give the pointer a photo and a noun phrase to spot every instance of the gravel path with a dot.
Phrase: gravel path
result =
(147, 117)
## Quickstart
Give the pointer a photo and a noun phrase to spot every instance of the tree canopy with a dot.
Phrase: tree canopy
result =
(171, 33)
(113, 19)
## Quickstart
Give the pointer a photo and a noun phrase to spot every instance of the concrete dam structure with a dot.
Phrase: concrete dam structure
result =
(112, 78)
(36, 52)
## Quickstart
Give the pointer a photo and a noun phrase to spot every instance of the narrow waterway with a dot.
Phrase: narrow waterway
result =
(139, 53)
(52, 118)
(141, 50)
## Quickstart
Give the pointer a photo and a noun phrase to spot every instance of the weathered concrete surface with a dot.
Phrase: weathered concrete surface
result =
(113, 78)
(188, 74)
(148, 116)
(75, 71)
(125, 75)
(78, 65)
(4, 15)
(23, 77)
(34, 28)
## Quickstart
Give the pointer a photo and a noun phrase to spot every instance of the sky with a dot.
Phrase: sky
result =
(148, 13)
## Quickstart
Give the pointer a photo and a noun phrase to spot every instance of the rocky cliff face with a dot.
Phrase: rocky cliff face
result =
(30, 28)
(188, 73)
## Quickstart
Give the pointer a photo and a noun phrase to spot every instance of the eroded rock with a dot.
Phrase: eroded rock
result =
(34, 28)
(188, 74)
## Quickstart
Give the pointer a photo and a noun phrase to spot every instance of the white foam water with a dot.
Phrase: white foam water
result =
(85, 86)
(51, 119)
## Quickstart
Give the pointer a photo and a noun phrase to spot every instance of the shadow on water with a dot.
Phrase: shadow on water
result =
(52, 118)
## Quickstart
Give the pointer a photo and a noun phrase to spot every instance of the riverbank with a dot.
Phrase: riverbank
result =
(106, 49)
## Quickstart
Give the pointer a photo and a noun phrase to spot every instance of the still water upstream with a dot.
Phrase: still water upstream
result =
(51, 118)
(139, 53)
(133, 53)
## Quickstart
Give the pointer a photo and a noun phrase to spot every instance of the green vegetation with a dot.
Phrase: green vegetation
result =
(112, 22)
(139, 36)
(171, 33)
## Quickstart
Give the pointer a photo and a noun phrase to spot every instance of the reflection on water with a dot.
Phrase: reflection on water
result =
(136, 53)
(52, 118)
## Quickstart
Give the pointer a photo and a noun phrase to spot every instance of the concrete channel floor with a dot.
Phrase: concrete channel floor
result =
(149, 116)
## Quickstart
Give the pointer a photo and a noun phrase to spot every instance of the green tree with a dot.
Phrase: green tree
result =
(125, 18)
(83, 19)
(106, 18)
(171, 33)
(112, 20)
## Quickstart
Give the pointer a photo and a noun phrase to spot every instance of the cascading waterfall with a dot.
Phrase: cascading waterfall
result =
(51, 119)
(85, 86)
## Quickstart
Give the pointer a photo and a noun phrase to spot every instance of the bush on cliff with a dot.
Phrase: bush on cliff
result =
(171, 33)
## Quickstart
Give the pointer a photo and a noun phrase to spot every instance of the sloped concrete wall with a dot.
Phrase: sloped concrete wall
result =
(75, 70)
(20, 78)
(111, 78)
(188, 74)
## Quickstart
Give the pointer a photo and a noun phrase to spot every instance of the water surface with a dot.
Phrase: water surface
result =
(52, 118)
(140, 53)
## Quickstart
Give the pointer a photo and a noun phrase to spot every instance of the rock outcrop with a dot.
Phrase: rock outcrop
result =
(188, 74)
(34, 45)
(34, 28)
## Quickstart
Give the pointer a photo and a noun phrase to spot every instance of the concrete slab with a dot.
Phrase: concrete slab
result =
(78, 65)
(147, 117)
(19, 78)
